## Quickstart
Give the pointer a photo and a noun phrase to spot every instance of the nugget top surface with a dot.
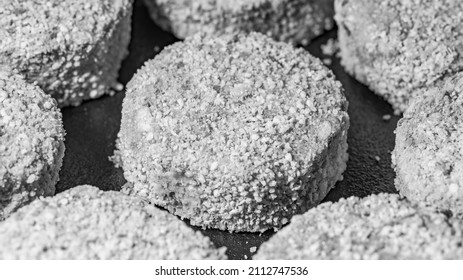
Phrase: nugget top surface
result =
(31, 142)
(295, 21)
(222, 124)
(87, 223)
(398, 47)
(428, 156)
(375, 227)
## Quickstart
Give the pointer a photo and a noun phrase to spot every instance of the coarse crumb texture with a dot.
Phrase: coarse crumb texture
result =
(428, 156)
(236, 132)
(72, 49)
(31, 142)
(376, 227)
(87, 223)
(295, 21)
(397, 47)
(330, 48)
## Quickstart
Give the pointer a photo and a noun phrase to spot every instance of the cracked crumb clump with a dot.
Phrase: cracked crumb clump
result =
(327, 61)
(235, 132)
(376, 227)
(330, 48)
(387, 117)
(295, 21)
(87, 223)
(397, 49)
(428, 156)
(31, 142)
(72, 49)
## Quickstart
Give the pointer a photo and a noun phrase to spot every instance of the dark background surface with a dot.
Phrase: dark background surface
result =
(92, 129)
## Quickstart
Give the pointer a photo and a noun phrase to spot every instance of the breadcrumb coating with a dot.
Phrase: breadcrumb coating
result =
(428, 156)
(31, 142)
(235, 132)
(72, 49)
(87, 223)
(376, 227)
(397, 47)
(294, 21)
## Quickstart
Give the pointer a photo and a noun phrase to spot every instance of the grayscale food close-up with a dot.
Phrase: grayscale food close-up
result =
(31, 143)
(87, 223)
(397, 48)
(294, 21)
(375, 227)
(230, 130)
(235, 132)
(72, 49)
(428, 156)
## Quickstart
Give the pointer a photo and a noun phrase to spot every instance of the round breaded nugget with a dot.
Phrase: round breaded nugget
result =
(72, 49)
(236, 132)
(295, 21)
(87, 223)
(428, 156)
(396, 47)
(31, 142)
(376, 227)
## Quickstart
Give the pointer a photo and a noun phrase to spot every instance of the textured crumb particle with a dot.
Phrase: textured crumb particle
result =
(377, 158)
(236, 132)
(87, 223)
(118, 86)
(305, 42)
(387, 117)
(380, 226)
(327, 61)
(253, 249)
(453, 188)
(330, 48)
